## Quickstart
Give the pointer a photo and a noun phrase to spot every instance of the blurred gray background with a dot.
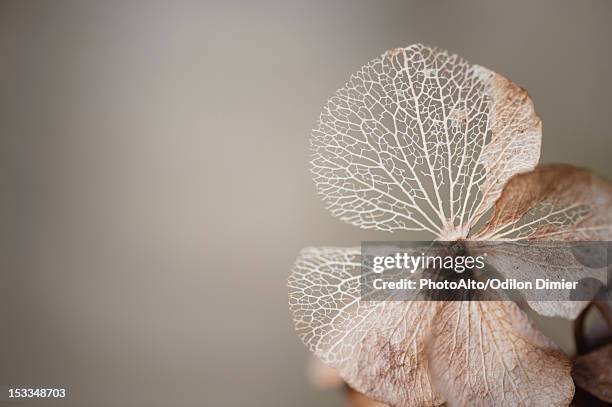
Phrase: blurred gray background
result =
(155, 185)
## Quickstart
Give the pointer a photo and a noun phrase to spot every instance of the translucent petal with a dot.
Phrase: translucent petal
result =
(419, 139)
(378, 347)
(420, 353)
(488, 353)
(530, 260)
(553, 202)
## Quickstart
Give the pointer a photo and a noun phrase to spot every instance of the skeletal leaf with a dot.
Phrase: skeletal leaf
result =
(419, 139)
(593, 373)
(378, 347)
(553, 202)
(487, 353)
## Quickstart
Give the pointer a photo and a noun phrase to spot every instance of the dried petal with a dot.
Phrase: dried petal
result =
(488, 353)
(593, 373)
(553, 202)
(381, 348)
(419, 139)
(528, 260)
(378, 347)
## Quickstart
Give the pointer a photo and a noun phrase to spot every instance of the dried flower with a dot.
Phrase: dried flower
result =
(419, 139)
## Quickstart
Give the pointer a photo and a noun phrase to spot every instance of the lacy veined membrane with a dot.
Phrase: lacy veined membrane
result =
(419, 139)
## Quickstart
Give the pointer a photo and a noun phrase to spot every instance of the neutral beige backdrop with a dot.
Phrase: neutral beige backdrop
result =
(155, 186)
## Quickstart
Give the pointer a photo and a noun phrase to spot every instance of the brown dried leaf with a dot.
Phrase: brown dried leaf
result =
(593, 373)
(488, 353)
